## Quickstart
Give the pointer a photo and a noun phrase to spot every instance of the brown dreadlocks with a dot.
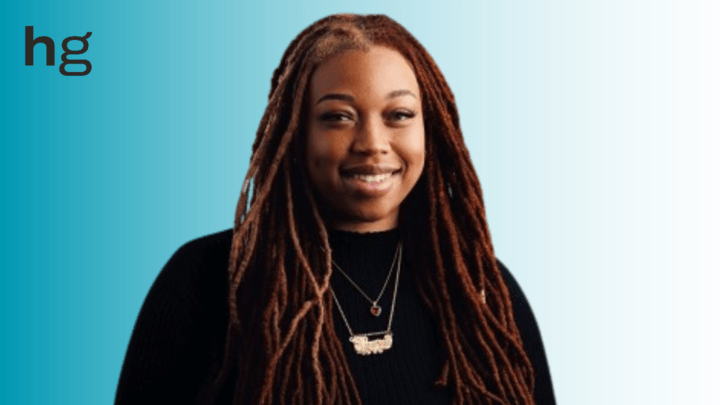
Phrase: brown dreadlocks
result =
(281, 345)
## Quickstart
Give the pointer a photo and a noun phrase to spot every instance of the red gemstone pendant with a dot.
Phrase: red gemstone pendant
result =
(375, 310)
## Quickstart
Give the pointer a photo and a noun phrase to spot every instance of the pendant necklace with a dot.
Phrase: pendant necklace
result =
(361, 341)
(375, 309)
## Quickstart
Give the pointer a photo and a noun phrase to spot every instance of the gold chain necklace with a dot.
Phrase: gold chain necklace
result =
(361, 343)
(375, 309)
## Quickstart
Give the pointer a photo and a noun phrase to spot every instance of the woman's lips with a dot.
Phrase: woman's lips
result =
(372, 178)
(371, 185)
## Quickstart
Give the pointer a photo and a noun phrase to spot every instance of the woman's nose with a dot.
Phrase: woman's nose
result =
(371, 137)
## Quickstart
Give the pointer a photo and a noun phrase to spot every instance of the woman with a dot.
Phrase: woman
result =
(361, 268)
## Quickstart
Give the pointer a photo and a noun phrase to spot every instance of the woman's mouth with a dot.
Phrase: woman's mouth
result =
(373, 178)
(371, 185)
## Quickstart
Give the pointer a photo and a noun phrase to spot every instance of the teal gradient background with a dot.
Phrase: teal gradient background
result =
(593, 126)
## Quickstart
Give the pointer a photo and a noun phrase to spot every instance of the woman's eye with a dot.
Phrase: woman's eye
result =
(402, 115)
(334, 117)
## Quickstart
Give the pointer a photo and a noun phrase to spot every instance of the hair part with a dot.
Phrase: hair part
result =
(484, 359)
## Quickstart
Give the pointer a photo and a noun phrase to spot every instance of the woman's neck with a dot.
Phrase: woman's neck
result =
(364, 252)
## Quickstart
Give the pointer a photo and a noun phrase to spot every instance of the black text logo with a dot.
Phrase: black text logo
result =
(31, 41)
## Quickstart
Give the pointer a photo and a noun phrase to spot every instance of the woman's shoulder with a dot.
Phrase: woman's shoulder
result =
(206, 249)
(524, 316)
(180, 326)
(197, 269)
(530, 334)
(517, 295)
(509, 279)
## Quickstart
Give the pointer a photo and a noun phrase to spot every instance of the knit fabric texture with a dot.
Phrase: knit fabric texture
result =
(177, 344)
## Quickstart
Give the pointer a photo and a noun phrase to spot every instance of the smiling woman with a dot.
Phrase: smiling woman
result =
(365, 137)
(360, 269)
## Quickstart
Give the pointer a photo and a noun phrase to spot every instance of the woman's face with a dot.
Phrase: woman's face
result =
(365, 137)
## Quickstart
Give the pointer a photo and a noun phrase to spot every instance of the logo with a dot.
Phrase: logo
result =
(31, 42)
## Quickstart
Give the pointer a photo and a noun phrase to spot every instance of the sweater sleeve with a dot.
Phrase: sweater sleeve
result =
(173, 344)
(530, 333)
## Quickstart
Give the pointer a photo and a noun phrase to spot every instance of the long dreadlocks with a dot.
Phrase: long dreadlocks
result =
(281, 345)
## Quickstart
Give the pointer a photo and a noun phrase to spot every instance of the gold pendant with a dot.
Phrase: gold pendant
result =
(364, 346)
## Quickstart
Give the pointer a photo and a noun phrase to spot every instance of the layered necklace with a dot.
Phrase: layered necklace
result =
(361, 342)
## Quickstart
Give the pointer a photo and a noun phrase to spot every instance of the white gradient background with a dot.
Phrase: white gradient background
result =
(593, 126)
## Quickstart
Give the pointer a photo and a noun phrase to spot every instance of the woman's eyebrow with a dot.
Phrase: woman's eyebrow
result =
(398, 93)
(336, 96)
(349, 98)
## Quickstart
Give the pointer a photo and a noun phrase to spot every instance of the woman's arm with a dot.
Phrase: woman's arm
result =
(531, 338)
(176, 337)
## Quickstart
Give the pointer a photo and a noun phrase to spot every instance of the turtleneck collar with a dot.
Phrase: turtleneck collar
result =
(369, 253)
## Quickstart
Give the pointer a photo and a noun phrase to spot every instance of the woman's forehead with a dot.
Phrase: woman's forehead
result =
(376, 70)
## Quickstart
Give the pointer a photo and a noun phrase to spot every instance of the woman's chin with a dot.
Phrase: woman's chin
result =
(367, 221)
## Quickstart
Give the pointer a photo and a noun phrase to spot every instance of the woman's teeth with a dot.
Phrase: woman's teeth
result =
(376, 178)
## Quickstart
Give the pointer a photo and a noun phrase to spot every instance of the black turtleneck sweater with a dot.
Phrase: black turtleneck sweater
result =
(178, 339)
